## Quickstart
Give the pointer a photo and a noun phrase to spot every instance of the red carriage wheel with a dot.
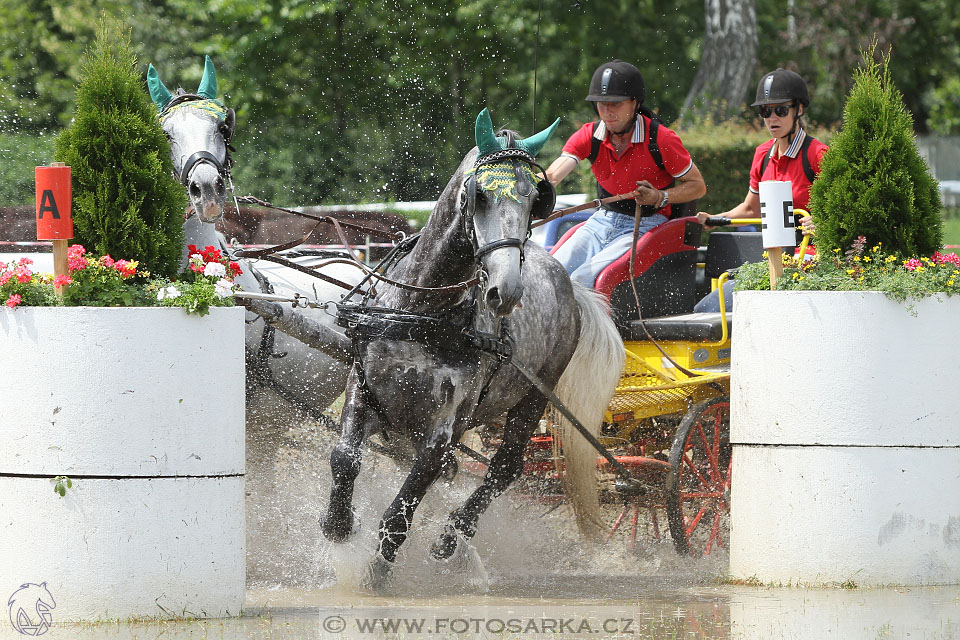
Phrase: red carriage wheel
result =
(698, 484)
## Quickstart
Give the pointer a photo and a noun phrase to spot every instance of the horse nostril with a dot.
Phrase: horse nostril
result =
(493, 298)
(194, 190)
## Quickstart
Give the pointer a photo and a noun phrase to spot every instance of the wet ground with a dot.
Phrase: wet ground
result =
(526, 575)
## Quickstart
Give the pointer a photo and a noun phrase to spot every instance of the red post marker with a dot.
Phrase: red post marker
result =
(54, 203)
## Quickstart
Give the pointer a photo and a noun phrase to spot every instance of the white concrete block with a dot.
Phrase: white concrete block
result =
(121, 391)
(120, 548)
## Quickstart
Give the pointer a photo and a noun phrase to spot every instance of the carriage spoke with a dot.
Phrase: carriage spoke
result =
(695, 521)
(696, 472)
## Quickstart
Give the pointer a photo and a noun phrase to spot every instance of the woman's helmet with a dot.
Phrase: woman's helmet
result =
(616, 81)
(781, 85)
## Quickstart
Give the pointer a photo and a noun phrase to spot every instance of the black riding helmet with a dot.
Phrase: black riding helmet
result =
(781, 85)
(616, 81)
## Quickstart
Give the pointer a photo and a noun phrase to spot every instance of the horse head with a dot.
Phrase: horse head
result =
(199, 128)
(500, 194)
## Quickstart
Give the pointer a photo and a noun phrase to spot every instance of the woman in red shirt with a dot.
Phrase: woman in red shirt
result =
(791, 154)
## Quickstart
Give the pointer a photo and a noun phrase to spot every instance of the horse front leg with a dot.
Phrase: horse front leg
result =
(358, 419)
(398, 517)
(505, 467)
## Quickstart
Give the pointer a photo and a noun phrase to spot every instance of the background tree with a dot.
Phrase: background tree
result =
(727, 64)
(872, 181)
(125, 200)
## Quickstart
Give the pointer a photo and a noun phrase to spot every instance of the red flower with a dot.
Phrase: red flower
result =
(235, 269)
(62, 280)
(75, 251)
(13, 300)
(107, 261)
(126, 268)
(77, 263)
(23, 274)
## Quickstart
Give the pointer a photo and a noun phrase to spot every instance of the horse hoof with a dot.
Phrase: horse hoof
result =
(339, 529)
(445, 545)
(377, 575)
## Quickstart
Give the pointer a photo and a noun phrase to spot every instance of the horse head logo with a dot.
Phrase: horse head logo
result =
(30, 609)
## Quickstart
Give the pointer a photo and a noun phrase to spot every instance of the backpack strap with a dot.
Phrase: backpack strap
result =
(653, 146)
(651, 142)
(804, 159)
(807, 168)
(594, 145)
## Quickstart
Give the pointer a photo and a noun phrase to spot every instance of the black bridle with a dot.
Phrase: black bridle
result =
(226, 130)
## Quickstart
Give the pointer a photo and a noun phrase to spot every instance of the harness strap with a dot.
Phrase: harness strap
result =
(196, 158)
(500, 244)
(547, 393)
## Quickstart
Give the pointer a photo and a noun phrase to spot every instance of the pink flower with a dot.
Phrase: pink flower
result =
(23, 274)
(950, 258)
(62, 280)
(912, 264)
(3, 266)
(75, 251)
(13, 300)
(5, 277)
(107, 261)
(77, 263)
(25, 261)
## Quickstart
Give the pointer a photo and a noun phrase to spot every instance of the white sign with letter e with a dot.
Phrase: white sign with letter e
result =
(776, 212)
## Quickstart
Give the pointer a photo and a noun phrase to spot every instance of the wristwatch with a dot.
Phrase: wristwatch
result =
(665, 201)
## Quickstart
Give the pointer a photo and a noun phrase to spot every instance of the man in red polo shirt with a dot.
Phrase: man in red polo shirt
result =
(619, 147)
(791, 154)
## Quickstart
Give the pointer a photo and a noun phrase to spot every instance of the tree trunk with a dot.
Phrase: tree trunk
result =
(727, 65)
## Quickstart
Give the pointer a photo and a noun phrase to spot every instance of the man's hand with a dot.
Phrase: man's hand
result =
(648, 194)
(807, 226)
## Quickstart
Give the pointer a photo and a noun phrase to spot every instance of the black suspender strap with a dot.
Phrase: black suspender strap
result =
(651, 144)
(805, 160)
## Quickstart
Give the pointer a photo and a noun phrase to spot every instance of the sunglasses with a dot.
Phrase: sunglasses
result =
(781, 110)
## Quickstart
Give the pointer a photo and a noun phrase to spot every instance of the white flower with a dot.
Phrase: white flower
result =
(196, 258)
(215, 269)
(223, 288)
(168, 293)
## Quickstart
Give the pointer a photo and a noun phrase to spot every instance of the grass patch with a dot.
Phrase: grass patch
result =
(951, 228)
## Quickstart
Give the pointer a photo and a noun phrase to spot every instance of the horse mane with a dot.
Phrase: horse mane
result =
(510, 135)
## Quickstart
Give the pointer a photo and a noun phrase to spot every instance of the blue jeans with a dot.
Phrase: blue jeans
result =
(605, 236)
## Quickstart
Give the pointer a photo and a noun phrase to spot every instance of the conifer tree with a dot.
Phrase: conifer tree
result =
(873, 181)
(125, 200)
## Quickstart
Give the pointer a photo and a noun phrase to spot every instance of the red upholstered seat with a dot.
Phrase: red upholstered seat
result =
(664, 269)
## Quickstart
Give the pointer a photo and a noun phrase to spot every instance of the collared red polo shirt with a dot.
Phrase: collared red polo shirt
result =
(620, 174)
(789, 166)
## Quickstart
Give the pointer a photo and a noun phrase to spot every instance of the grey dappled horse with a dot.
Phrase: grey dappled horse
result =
(199, 128)
(418, 369)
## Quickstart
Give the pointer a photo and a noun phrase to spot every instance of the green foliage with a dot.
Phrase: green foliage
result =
(125, 201)
(104, 282)
(61, 484)
(19, 154)
(945, 108)
(872, 181)
(860, 269)
(19, 285)
(723, 153)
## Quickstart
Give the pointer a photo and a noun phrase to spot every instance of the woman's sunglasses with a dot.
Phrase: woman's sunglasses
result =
(781, 110)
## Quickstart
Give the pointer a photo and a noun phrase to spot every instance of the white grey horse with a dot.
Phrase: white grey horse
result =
(475, 313)
(199, 128)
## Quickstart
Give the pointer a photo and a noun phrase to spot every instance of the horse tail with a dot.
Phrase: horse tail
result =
(586, 386)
